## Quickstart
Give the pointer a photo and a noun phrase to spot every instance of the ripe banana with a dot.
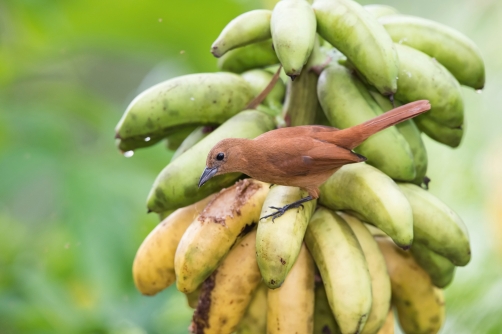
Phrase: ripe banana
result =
(440, 133)
(346, 103)
(153, 267)
(293, 28)
(452, 49)
(373, 197)
(278, 241)
(193, 138)
(436, 226)
(357, 34)
(258, 80)
(209, 238)
(290, 308)
(388, 326)
(194, 99)
(421, 77)
(439, 268)
(419, 304)
(324, 320)
(380, 281)
(343, 269)
(226, 294)
(177, 183)
(255, 319)
(249, 57)
(247, 28)
(380, 10)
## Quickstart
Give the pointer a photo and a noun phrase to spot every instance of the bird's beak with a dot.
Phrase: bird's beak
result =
(207, 174)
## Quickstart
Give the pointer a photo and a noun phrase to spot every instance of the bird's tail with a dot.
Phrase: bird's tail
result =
(354, 136)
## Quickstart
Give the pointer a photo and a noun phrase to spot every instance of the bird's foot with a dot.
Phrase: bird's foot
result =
(281, 211)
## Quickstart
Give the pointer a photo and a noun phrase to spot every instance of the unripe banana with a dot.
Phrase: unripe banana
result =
(228, 291)
(343, 269)
(249, 57)
(194, 99)
(255, 319)
(293, 28)
(439, 268)
(324, 320)
(279, 240)
(373, 197)
(452, 49)
(153, 267)
(290, 308)
(380, 281)
(419, 304)
(247, 28)
(440, 133)
(177, 183)
(209, 238)
(423, 78)
(176, 138)
(436, 225)
(380, 10)
(193, 297)
(193, 138)
(357, 34)
(258, 80)
(347, 102)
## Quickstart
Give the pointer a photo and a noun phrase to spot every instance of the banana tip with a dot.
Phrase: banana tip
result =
(214, 51)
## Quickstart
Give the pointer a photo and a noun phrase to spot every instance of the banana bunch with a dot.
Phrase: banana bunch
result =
(376, 243)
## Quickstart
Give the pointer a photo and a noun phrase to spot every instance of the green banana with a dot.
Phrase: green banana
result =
(255, 319)
(440, 133)
(410, 132)
(324, 320)
(421, 77)
(436, 226)
(439, 268)
(380, 10)
(194, 99)
(279, 240)
(452, 49)
(177, 183)
(174, 139)
(357, 34)
(193, 138)
(347, 102)
(259, 79)
(245, 29)
(343, 269)
(373, 197)
(293, 28)
(248, 57)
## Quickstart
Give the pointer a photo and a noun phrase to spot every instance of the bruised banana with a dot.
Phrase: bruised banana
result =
(324, 320)
(436, 226)
(153, 267)
(421, 77)
(439, 268)
(343, 269)
(258, 80)
(177, 183)
(279, 240)
(452, 49)
(255, 319)
(357, 34)
(380, 281)
(193, 138)
(379, 11)
(419, 304)
(247, 28)
(256, 55)
(290, 308)
(293, 28)
(226, 294)
(347, 102)
(373, 197)
(440, 133)
(194, 99)
(208, 239)
(410, 132)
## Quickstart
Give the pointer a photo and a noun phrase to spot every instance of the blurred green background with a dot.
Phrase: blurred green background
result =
(72, 208)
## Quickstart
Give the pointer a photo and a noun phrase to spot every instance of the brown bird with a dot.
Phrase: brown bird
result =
(300, 156)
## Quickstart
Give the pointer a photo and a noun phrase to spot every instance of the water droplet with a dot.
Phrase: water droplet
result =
(182, 52)
(479, 91)
(160, 20)
(403, 40)
(128, 154)
(147, 139)
(192, 99)
(408, 74)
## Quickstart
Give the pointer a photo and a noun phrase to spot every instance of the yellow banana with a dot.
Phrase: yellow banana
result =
(153, 267)
(255, 319)
(226, 294)
(208, 239)
(290, 308)
(388, 326)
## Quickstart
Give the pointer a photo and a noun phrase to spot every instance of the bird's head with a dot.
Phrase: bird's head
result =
(224, 157)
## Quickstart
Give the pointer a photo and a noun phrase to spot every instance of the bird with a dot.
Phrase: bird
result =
(300, 156)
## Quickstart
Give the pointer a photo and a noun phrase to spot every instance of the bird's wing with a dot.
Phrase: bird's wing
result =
(312, 131)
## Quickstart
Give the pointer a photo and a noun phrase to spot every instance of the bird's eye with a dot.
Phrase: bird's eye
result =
(220, 156)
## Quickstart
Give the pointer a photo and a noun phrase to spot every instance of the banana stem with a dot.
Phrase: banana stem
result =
(260, 97)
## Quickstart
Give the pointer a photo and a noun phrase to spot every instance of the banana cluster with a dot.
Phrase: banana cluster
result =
(376, 243)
